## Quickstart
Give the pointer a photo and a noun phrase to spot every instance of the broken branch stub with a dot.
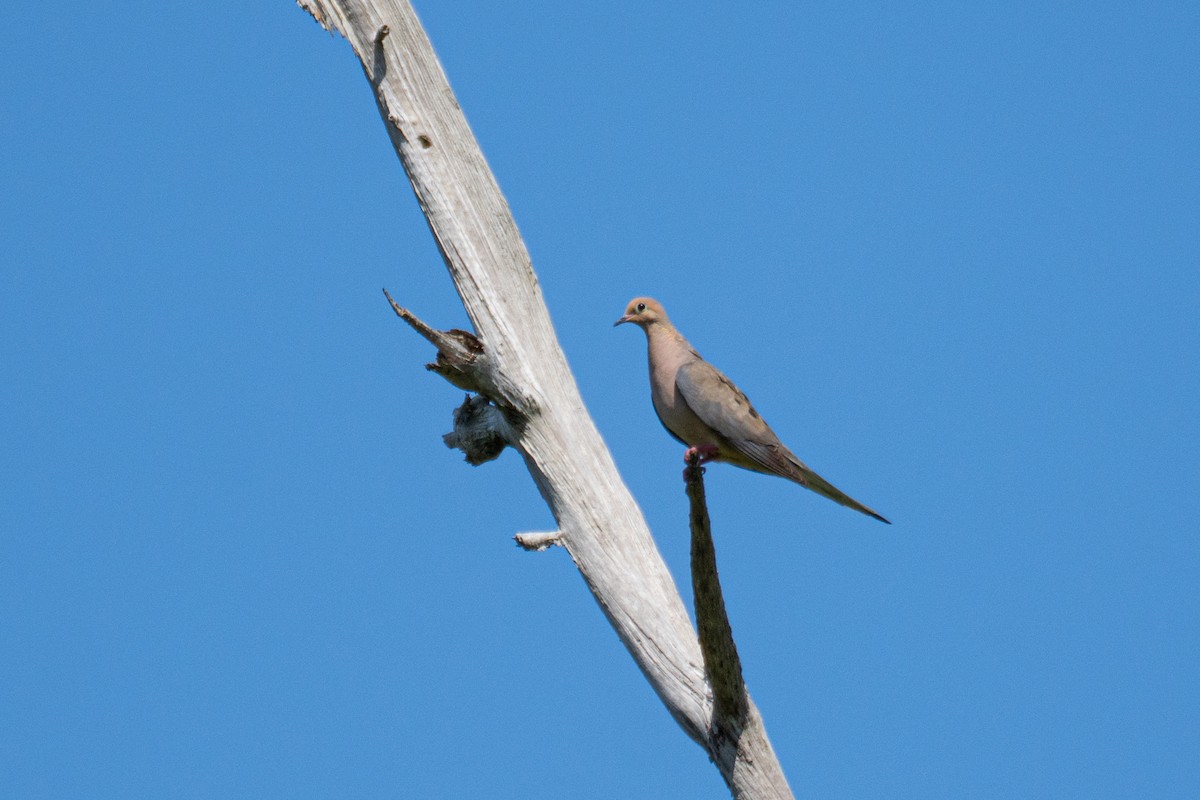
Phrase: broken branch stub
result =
(481, 429)
(458, 350)
(463, 360)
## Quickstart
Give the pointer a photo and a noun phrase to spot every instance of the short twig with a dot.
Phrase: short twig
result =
(539, 541)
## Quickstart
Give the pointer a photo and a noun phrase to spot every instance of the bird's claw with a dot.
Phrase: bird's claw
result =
(702, 453)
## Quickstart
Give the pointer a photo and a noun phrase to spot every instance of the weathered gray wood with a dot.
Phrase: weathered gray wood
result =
(523, 371)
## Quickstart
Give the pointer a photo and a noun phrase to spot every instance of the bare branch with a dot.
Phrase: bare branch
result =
(721, 662)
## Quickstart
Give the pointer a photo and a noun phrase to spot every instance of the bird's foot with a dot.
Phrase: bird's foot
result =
(694, 457)
(703, 453)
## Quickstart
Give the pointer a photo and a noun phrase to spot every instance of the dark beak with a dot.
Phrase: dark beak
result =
(623, 319)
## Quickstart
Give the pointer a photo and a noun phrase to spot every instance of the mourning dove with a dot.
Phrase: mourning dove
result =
(702, 408)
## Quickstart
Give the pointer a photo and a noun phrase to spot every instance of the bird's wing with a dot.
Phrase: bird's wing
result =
(725, 409)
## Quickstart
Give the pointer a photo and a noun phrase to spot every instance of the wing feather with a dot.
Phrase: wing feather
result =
(725, 408)
(747, 440)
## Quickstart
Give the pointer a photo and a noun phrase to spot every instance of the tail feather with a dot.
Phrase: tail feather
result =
(812, 480)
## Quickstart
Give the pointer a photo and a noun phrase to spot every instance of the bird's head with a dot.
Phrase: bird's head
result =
(643, 312)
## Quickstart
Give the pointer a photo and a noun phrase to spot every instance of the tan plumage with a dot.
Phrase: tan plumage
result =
(702, 408)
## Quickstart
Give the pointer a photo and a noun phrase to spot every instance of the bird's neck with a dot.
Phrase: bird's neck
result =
(666, 346)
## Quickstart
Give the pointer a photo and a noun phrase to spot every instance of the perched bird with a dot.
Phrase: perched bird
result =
(702, 408)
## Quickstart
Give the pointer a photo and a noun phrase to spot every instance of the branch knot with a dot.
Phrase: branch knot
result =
(480, 430)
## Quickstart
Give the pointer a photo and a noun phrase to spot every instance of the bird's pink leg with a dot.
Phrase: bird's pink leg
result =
(700, 454)
(705, 452)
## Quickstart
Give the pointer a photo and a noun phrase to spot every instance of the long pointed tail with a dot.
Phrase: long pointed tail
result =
(823, 487)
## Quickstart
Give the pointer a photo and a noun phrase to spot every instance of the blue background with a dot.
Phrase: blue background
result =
(951, 252)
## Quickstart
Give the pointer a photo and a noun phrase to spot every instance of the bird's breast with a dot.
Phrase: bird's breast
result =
(668, 352)
(678, 418)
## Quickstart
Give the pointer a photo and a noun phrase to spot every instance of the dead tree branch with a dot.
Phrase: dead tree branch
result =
(529, 400)
(721, 662)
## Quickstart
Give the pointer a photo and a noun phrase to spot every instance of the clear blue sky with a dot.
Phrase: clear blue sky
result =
(952, 252)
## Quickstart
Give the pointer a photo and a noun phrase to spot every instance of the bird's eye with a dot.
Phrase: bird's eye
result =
(640, 307)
